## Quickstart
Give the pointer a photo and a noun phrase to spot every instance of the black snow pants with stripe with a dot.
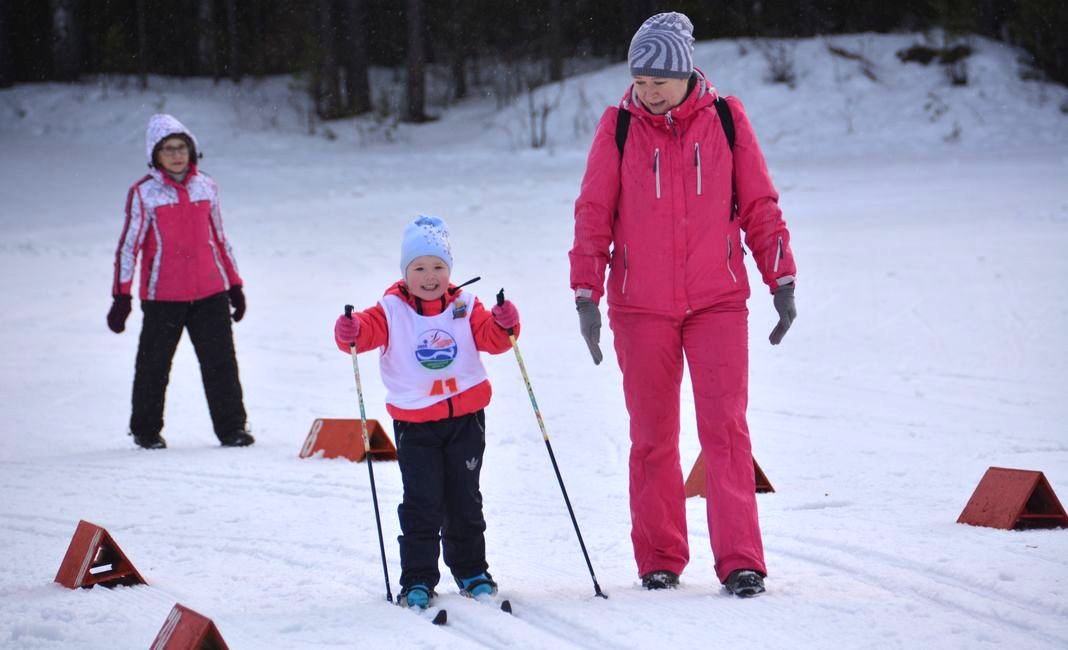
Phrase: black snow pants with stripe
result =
(208, 323)
(440, 464)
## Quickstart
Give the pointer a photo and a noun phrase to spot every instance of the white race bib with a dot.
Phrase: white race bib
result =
(429, 358)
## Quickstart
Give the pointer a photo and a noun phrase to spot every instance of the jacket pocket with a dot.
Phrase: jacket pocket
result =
(618, 279)
(730, 254)
(219, 264)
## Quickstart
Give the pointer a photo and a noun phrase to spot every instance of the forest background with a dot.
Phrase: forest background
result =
(503, 47)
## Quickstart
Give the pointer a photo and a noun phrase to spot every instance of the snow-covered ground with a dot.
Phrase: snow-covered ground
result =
(930, 225)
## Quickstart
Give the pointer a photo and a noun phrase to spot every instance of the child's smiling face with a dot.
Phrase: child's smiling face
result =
(427, 277)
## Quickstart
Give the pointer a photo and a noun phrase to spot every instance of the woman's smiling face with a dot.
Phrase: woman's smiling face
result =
(660, 94)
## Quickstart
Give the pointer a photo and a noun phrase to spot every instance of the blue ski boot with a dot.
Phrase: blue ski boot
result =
(415, 596)
(475, 586)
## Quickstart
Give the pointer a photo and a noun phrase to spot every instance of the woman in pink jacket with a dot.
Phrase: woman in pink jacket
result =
(665, 203)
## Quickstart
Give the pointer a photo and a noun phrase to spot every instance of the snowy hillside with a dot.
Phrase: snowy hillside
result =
(929, 223)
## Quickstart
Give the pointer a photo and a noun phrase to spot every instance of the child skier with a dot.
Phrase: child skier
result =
(431, 333)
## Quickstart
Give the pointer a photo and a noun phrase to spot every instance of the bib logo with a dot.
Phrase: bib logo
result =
(436, 350)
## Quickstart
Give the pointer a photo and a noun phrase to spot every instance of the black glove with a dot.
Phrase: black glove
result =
(120, 310)
(237, 299)
(784, 304)
(590, 326)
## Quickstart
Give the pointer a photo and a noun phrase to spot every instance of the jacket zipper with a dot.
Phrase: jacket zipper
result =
(626, 271)
(730, 251)
(656, 170)
(778, 256)
(697, 163)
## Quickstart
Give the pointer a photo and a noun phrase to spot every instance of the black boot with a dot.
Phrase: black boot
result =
(238, 438)
(660, 580)
(154, 441)
(745, 583)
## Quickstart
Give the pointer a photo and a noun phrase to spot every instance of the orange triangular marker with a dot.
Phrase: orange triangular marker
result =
(93, 558)
(185, 629)
(1014, 499)
(343, 438)
(695, 483)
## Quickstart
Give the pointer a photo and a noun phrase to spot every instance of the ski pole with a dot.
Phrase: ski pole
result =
(367, 455)
(549, 446)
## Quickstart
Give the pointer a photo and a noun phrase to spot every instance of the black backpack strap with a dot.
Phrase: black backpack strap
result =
(622, 126)
(725, 118)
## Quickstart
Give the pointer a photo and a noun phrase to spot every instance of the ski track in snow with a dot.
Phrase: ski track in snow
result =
(485, 624)
(954, 596)
(629, 616)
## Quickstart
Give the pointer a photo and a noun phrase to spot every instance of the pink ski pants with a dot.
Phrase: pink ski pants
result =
(650, 349)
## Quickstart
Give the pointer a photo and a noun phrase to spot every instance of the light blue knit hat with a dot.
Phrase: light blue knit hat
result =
(663, 47)
(426, 235)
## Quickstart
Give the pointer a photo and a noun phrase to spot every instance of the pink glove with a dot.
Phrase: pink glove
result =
(506, 315)
(346, 329)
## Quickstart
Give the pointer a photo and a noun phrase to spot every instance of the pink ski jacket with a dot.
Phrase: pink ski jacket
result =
(662, 218)
(177, 229)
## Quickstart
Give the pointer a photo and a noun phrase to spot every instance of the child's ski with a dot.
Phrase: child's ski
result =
(505, 605)
(440, 617)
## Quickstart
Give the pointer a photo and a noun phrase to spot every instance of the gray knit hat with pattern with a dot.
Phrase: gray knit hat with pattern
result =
(663, 47)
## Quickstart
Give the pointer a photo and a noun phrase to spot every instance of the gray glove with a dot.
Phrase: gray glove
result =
(784, 304)
(590, 326)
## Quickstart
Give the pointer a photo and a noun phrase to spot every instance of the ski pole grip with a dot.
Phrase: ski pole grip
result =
(348, 312)
(500, 301)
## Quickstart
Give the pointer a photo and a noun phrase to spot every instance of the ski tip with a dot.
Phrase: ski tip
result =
(506, 606)
(441, 617)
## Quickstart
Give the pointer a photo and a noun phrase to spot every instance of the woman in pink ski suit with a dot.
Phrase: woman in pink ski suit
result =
(668, 216)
